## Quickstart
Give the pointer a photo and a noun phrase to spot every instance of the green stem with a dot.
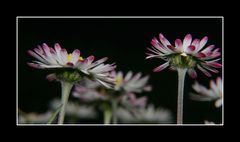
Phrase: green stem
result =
(66, 88)
(181, 78)
(114, 110)
(107, 116)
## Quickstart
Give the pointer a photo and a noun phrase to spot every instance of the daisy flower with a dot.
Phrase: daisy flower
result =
(184, 56)
(70, 68)
(127, 85)
(214, 93)
(122, 93)
(131, 82)
(59, 58)
(189, 54)
(54, 58)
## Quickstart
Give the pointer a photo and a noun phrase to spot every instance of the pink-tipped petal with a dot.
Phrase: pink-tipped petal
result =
(192, 73)
(187, 41)
(46, 50)
(196, 42)
(57, 47)
(64, 56)
(90, 59)
(164, 40)
(206, 66)
(155, 43)
(216, 50)
(161, 67)
(159, 46)
(200, 55)
(178, 44)
(40, 49)
(75, 56)
(208, 49)
(171, 47)
(52, 51)
(51, 77)
(203, 42)
(37, 56)
(215, 64)
(153, 50)
(34, 65)
(96, 63)
(191, 47)
(204, 71)
(214, 55)
(85, 61)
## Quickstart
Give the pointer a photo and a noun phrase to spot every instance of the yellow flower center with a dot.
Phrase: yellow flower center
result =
(119, 81)
(70, 56)
(183, 54)
(183, 60)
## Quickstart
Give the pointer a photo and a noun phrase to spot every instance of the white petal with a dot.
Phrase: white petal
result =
(98, 62)
(164, 41)
(38, 57)
(75, 56)
(218, 103)
(203, 42)
(128, 76)
(64, 56)
(58, 53)
(187, 41)
(161, 67)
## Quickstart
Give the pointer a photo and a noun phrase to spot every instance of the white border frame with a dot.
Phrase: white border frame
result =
(117, 17)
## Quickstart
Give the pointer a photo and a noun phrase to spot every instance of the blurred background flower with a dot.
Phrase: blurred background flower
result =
(214, 93)
(209, 122)
(89, 90)
(76, 110)
(144, 115)
(33, 117)
(131, 82)
(120, 95)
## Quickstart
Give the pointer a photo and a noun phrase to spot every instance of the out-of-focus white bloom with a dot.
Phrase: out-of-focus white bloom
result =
(132, 101)
(74, 109)
(209, 122)
(59, 58)
(34, 118)
(88, 90)
(131, 83)
(215, 93)
(144, 115)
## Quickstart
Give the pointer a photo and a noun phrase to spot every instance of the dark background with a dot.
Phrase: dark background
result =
(124, 41)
